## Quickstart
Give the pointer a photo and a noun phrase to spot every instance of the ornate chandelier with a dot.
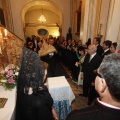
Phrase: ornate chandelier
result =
(42, 19)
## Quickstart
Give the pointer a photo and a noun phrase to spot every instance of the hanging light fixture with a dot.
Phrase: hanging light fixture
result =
(42, 17)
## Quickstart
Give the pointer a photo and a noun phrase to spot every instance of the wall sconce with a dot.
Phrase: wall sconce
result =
(99, 30)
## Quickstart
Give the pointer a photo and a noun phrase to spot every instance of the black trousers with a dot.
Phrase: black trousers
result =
(89, 91)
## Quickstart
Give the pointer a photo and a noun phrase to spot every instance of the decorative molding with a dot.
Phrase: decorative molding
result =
(42, 32)
(97, 19)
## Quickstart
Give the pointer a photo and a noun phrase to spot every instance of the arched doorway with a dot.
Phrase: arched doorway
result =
(31, 14)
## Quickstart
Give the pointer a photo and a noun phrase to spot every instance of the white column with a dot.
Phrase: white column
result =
(103, 20)
(87, 2)
(113, 27)
(89, 19)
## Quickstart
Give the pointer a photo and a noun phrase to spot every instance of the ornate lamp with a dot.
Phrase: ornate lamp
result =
(42, 18)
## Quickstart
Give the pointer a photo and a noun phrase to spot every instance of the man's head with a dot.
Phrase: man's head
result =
(30, 44)
(106, 44)
(91, 49)
(51, 41)
(109, 80)
(96, 40)
(34, 38)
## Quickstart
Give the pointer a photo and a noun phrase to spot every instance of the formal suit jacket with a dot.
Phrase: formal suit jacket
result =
(89, 67)
(95, 112)
(105, 53)
(100, 50)
(34, 45)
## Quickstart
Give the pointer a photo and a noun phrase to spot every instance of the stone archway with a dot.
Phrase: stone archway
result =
(32, 11)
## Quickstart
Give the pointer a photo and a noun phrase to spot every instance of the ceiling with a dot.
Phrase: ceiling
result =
(39, 5)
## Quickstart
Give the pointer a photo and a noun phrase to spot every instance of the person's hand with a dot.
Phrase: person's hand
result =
(74, 49)
(81, 75)
(54, 114)
(68, 48)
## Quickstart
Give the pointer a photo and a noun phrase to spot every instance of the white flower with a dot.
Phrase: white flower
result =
(16, 73)
(18, 68)
(3, 80)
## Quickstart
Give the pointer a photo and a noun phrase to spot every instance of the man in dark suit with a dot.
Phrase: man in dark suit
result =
(96, 41)
(91, 63)
(35, 43)
(107, 84)
(106, 48)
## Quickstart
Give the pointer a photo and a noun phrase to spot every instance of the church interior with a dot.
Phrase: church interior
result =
(56, 31)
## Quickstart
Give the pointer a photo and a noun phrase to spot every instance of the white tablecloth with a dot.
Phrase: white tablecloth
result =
(8, 112)
(60, 89)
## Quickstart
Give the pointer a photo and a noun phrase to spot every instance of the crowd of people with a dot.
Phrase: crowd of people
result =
(82, 60)
(94, 66)
(107, 85)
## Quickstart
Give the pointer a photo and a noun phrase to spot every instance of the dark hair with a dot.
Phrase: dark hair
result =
(114, 44)
(98, 39)
(88, 42)
(40, 41)
(81, 48)
(107, 43)
(110, 71)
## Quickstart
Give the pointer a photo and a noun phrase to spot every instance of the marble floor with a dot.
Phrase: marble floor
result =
(79, 102)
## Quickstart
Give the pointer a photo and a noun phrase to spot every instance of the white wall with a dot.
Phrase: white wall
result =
(113, 27)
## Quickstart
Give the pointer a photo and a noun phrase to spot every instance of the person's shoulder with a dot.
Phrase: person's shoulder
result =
(99, 46)
(82, 114)
(98, 57)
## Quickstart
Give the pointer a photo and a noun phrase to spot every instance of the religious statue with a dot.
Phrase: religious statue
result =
(69, 34)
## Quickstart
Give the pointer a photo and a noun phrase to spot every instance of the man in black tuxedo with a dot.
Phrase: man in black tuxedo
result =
(35, 43)
(96, 41)
(106, 48)
(91, 63)
(107, 84)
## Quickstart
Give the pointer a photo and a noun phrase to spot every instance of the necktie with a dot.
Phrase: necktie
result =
(36, 44)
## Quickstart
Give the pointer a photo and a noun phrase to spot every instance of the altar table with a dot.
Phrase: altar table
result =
(8, 112)
(62, 95)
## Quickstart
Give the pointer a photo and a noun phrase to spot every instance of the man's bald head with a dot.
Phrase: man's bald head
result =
(92, 49)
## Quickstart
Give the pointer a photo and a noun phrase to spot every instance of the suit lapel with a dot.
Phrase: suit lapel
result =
(92, 59)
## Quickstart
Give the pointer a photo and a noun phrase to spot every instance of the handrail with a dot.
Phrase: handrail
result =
(10, 32)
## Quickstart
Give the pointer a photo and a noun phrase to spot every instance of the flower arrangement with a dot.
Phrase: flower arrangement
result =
(8, 77)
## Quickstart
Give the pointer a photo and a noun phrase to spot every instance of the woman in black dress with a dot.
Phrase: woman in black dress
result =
(34, 102)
